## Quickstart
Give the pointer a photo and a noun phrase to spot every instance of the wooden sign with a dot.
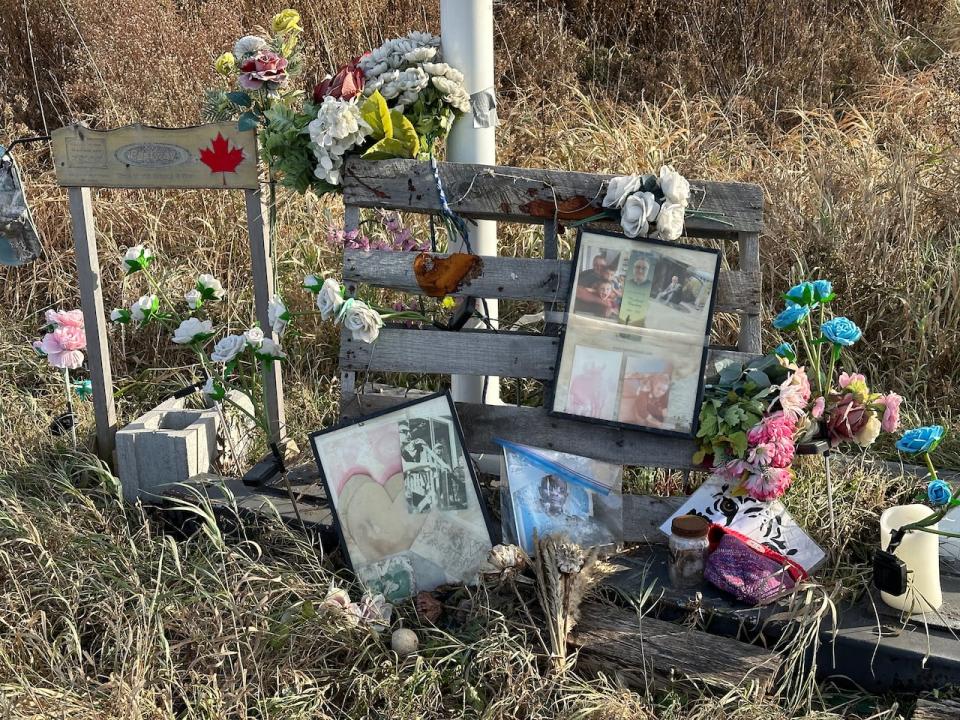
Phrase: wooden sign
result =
(215, 156)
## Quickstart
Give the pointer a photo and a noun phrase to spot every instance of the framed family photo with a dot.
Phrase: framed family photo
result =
(638, 325)
(405, 498)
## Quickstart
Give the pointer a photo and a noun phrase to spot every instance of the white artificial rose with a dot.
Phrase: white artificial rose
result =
(619, 188)
(869, 432)
(363, 321)
(312, 283)
(420, 55)
(210, 288)
(119, 315)
(254, 337)
(193, 298)
(228, 348)
(192, 330)
(270, 350)
(330, 298)
(675, 187)
(213, 389)
(248, 45)
(670, 221)
(638, 212)
(432, 68)
(144, 307)
(136, 258)
(278, 314)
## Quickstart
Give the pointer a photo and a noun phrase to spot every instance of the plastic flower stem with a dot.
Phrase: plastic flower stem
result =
(159, 290)
(806, 346)
(930, 467)
(73, 424)
(816, 360)
(834, 356)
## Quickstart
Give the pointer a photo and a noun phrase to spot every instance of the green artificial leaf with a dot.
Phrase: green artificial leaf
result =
(733, 416)
(240, 98)
(731, 373)
(758, 378)
(247, 121)
(739, 442)
(375, 112)
(699, 456)
(708, 423)
(387, 148)
(405, 132)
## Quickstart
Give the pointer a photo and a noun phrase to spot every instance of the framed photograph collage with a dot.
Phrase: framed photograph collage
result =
(638, 325)
(405, 498)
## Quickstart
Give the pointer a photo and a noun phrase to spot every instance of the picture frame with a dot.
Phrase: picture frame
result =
(633, 351)
(405, 498)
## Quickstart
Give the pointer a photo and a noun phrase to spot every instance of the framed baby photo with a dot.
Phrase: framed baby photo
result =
(638, 324)
(405, 498)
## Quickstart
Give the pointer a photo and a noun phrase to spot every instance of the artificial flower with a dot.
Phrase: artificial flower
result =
(214, 389)
(278, 314)
(620, 188)
(337, 599)
(823, 291)
(345, 85)
(841, 331)
(639, 210)
(286, 21)
(818, 407)
(137, 258)
(869, 432)
(361, 320)
(64, 318)
(264, 68)
(768, 484)
(254, 337)
(791, 317)
(248, 45)
(785, 350)
(225, 64)
(855, 383)
(194, 298)
(192, 331)
(37, 345)
(227, 348)
(270, 351)
(64, 347)
(337, 128)
(144, 308)
(374, 611)
(330, 298)
(83, 389)
(802, 294)
(670, 221)
(921, 439)
(312, 283)
(795, 393)
(891, 411)
(210, 288)
(675, 187)
(846, 420)
(939, 493)
(448, 303)
(121, 316)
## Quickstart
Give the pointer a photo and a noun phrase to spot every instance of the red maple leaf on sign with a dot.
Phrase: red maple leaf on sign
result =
(220, 157)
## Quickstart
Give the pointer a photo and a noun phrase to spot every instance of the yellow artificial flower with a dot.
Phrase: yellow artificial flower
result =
(286, 21)
(288, 45)
(225, 64)
(448, 303)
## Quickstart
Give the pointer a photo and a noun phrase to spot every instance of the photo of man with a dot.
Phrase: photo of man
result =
(636, 292)
(432, 480)
(599, 285)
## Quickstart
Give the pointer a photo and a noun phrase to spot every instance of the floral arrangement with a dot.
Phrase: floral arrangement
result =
(397, 100)
(62, 344)
(753, 416)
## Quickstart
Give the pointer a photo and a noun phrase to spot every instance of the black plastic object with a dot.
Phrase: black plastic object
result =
(465, 309)
(62, 424)
(889, 573)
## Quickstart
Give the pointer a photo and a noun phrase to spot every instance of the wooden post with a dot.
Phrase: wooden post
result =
(348, 380)
(262, 268)
(750, 333)
(94, 319)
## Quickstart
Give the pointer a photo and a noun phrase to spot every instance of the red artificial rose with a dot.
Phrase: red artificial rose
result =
(846, 419)
(345, 85)
(264, 67)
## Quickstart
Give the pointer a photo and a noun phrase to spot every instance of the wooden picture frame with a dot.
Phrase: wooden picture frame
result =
(407, 507)
(633, 351)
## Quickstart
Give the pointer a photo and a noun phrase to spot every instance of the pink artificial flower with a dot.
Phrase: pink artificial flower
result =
(757, 435)
(64, 347)
(795, 394)
(846, 420)
(761, 454)
(891, 412)
(65, 318)
(779, 426)
(345, 85)
(818, 405)
(847, 380)
(769, 484)
(781, 452)
(264, 67)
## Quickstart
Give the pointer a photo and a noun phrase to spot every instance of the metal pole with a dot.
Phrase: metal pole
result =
(466, 31)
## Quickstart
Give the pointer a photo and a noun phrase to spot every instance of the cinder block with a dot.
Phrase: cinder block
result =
(166, 445)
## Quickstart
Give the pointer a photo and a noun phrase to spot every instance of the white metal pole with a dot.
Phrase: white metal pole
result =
(466, 32)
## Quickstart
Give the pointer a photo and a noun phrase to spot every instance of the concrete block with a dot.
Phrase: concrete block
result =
(169, 444)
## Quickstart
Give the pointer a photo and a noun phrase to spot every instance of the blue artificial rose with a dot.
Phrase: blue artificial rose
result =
(841, 331)
(921, 439)
(791, 317)
(822, 290)
(939, 493)
(785, 350)
(801, 294)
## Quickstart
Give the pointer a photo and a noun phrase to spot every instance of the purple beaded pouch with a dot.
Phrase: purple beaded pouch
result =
(748, 570)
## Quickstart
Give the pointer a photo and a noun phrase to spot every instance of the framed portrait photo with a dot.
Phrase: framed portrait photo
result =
(638, 325)
(405, 498)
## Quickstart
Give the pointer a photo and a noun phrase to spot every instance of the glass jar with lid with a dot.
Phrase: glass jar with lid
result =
(688, 550)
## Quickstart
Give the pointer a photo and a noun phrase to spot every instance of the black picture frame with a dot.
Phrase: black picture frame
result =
(332, 497)
(563, 335)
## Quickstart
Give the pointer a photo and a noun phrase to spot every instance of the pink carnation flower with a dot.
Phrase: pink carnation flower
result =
(818, 407)
(795, 393)
(65, 318)
(64, 347)
(850, 379)
(891, 412)
(769, 484)
(781, 452)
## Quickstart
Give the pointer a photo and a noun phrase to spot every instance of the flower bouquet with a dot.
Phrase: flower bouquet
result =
(397, 100)
(63, 343)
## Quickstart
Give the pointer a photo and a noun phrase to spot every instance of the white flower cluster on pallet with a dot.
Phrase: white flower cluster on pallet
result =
(337, 129)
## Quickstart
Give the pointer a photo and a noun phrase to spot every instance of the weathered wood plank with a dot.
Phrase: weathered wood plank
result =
(139, 156)
(644, 514)
(94, 319)
(530, 195)
(930, 709)
(671, 653)
(533, 426)
(750, 340)
(469, 352)
(510, 278)
(351, 221)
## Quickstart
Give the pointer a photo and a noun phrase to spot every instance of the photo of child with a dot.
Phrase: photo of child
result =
(599, 284)
(646, 391)
(593, 380)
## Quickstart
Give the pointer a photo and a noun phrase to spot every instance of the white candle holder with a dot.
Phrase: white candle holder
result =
(920, 551)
